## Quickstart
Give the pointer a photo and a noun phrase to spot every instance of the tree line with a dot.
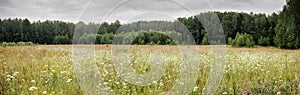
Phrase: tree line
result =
(241, 29)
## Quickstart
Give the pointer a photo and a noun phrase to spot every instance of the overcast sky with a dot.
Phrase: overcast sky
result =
(127, 10)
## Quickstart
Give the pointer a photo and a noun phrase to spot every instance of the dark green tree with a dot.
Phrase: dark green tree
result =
(287, 29)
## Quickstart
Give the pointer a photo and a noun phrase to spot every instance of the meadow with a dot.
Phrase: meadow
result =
(48, 70)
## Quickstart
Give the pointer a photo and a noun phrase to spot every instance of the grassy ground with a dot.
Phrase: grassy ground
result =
(47, 69)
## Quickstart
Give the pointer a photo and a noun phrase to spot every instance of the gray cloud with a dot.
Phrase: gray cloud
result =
(131, 10)
(5, 3)
(257, 6)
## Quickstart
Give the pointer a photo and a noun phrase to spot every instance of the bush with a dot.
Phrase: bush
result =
(264, 41)
(151, 43)
(230, 41)
(5, 44)
(29, 44)
(242, 40)
(170, 42)
(21, 44)
(205, 40)
(11, 44)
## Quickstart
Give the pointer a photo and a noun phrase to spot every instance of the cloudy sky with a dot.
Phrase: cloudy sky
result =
(127, 10)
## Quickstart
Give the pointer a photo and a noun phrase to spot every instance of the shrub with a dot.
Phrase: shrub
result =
(11, 44)
(205, 40)
(264, 41)
(29, 44)
(21, 44)
(5, 44)
(230, 41)
(151, 43)
(170, 42)
(242, 40)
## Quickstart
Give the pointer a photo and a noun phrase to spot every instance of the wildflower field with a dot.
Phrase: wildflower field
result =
(48, 70)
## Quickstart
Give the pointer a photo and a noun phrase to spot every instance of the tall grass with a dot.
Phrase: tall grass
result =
(35, 70)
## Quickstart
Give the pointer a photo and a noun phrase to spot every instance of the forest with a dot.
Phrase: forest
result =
(241, 30)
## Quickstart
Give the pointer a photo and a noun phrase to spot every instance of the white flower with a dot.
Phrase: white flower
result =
(33, 81)
(9, 76)
(32, 88)
(44, 92)
(52, 70)
(15, 74)
(224, 93)
(161, 84)
(105, 83)
(8, 79)
(124, 84)
(195, 88)
(12, 77)
(69, 80)
(154, 82)
(63, 72)
(278, 93)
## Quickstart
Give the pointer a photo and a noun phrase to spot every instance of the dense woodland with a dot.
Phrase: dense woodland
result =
(241, 29)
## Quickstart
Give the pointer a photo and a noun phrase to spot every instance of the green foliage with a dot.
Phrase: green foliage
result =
(287, 29)
(249, 41)
(61, 40)
(21, 44)
(297, 45)
(230, 41)
(170, 42)
(264, 41)
(242, 40)
(29, 44)
(105, 38)
(51, 32)
(205, 40)
(5, 44)
(151, 37)
(87, 39)
(151, 43)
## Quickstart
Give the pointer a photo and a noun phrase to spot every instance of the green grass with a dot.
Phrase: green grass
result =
(36, 70)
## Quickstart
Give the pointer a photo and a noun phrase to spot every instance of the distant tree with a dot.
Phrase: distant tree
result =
(26, 33)
(205, 40)
(61, 40)
(287, 29)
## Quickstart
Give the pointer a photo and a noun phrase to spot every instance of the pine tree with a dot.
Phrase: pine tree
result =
(287, 29)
